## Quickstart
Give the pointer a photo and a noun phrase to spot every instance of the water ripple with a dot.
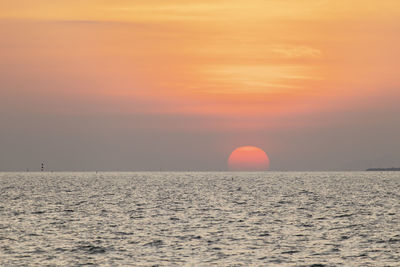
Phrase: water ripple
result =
(200, 219)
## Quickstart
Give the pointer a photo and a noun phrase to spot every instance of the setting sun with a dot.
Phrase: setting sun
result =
(248, 158)
(151, 124)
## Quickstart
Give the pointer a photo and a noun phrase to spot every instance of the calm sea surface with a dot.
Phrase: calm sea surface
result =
(200, 219)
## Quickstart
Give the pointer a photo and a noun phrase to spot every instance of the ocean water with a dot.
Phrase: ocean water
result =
(200, 219)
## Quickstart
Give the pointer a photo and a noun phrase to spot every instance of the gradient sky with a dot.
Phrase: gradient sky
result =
(178, 85)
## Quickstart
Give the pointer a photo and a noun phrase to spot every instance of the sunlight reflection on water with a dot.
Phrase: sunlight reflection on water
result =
(200, 219)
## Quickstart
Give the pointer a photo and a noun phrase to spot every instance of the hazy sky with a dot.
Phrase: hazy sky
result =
(178, 85)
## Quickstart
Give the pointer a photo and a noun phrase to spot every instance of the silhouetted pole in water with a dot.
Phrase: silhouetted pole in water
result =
(42, 169)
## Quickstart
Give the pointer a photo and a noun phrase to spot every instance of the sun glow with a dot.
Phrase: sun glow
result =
(250, 71)
(248, 158)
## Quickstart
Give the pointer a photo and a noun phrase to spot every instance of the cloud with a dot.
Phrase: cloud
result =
(296, 51)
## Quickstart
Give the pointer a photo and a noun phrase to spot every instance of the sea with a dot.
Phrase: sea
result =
(200, 219)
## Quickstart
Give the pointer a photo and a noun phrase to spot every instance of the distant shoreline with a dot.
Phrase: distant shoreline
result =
(383, 169)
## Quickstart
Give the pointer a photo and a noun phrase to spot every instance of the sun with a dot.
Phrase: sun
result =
(248, 158)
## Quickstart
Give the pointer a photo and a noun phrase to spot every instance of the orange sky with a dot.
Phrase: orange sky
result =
(239, 65)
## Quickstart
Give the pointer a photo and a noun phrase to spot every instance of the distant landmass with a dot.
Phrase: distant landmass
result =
(383, 169)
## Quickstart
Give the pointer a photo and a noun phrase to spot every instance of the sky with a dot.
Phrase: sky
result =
(134, 85)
